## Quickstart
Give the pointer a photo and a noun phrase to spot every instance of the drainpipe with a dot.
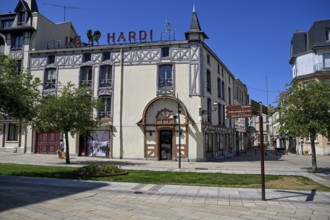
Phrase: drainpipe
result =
(121, 104)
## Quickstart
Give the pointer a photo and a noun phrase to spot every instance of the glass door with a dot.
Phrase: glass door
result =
(165, 143)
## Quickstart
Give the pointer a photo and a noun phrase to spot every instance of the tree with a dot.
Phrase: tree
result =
(305, 112)
(19, 92)
(68, 112)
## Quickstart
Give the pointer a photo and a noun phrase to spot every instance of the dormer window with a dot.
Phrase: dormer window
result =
(22, 17)
(87, 57)
(6, 23)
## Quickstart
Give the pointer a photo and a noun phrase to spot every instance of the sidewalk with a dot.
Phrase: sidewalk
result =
(45, 198)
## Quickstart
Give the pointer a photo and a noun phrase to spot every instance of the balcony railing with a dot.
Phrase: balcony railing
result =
(104, 114)
(87, 83)
(105, 82)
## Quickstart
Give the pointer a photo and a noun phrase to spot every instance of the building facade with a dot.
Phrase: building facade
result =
(310, 59)
(158, 97)
(22, 31)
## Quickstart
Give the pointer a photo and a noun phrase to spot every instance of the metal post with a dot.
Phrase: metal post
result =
(179, 111)
(262, 155)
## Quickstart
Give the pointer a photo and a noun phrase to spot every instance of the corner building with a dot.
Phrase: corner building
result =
(157, 97)
(310, 60)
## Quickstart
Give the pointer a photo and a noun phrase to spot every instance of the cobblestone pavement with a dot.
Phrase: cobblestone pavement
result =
(42, 198)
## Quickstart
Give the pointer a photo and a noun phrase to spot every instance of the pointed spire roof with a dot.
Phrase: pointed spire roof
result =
(30, 5)
(194, 24)
(195, 27)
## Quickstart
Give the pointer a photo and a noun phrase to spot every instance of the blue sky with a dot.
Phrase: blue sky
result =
(251, 37)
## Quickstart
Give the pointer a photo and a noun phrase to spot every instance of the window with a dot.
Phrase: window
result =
(223, 90)
(327, 34)
(165, 76)
(208, 59)
(87, 57)
(22, 17)
(106, 76)
(18, 66)
(165, 52)
(219, 114)
(209, 110)
(208, 81)
(105, 111)
(224, 115)
(6, 23)
(17, 42)
(229, 96)
(219, 88)
(12, 132)
(50, 59)
(50, 79)
(106, 56)
(86, 75)
(218, 70)
(326, 60)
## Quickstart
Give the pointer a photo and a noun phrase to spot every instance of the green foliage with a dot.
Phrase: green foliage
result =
(305, 109)
(100, 170)
(19, 92)
(69, 111)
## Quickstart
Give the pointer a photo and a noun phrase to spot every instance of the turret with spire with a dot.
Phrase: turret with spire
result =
(195, 32)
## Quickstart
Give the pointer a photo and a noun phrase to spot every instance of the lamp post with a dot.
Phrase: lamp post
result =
(178, 116)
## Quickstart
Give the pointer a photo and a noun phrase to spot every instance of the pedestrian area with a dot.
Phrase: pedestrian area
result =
(46, 198)
(42, 198)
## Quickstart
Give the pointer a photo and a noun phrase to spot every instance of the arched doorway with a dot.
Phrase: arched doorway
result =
(160, 125)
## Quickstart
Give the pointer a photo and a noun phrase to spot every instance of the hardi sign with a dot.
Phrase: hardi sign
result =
(130, 37)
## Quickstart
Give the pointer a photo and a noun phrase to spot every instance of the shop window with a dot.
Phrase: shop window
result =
(12, 132)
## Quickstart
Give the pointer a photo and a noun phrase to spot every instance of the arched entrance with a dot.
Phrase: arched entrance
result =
(160, 125)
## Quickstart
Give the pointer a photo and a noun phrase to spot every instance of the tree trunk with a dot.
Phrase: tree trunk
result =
(67, 157)
(314, 165)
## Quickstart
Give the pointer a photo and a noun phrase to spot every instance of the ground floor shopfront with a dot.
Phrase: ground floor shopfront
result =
(164, 129)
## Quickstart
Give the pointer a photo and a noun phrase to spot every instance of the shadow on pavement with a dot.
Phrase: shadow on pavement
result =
(253, 155)
(21, 191)
(291, 194)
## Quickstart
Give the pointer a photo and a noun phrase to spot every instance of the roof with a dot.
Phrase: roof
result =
(30, 5)
(195, 27)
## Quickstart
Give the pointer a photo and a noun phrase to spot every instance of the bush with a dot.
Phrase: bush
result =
(100, 170)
